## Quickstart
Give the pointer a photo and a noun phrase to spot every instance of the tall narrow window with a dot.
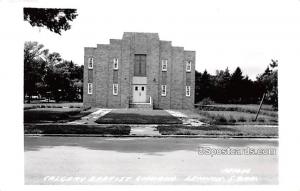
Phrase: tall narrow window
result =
(188, 66)
(164, 65)
(163, 90)
(139, 65)
(90, 62)
(90, 88)
(115, 89)
(116, 63)
(188, 91)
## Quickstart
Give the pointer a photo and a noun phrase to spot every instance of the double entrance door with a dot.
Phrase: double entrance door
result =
(139, 93)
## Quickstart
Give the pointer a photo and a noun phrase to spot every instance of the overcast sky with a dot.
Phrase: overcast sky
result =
(224, 34)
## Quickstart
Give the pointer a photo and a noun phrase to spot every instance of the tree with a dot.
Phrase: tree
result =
(204, 86)
(221, 83)
(34, 68)
(268, 81)
(54, 58)
(55, 20)
(236, 86)
(48, 75)
(224, 87)
(64, 80)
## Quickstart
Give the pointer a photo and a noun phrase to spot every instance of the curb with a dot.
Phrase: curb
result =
(153, 136)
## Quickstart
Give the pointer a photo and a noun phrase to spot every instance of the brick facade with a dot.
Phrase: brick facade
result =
(103, 75)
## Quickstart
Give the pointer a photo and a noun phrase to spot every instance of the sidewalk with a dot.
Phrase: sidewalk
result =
(186, 120)
(91, 118)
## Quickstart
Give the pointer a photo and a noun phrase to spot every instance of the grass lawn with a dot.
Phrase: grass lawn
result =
(60, 115)
(247, 108)
(223, 114)
(233, 130)
(76, 129)
(125, 116)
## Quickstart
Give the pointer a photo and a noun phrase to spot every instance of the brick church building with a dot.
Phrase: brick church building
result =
(139, 71)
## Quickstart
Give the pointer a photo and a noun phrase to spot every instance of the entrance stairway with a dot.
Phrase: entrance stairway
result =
(146, 105)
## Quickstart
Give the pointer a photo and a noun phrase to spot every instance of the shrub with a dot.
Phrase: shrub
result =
(231, 119)
(77, 129)
(261, 119)
(206, 101)
(43, 106)
(241, 119)
(273, 120)
(219, 119)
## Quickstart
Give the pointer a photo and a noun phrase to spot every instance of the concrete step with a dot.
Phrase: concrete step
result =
(141, 105)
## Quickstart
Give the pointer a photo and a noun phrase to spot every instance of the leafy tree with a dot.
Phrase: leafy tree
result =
(54, 58)
(236, 86)
(224, 87)
(221, 84)
(237, 75)
(34, 68)
(55, 20)
(48, 75)
(204, 86)
(197, 86)
(64, 81)
(268, 82)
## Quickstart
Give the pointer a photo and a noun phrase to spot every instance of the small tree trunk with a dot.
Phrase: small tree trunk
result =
(260, 106)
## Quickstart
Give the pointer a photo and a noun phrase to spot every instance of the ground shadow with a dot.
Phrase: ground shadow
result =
(151, 146)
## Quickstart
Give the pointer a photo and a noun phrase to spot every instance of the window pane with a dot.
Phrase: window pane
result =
(115, 89)
(188, 66)
(164, 65)
(90, 88)
(143, 65)
(140, 65)
(163, 90)
(136, 65)
(90, 63)
(115, 63)
(188, 90)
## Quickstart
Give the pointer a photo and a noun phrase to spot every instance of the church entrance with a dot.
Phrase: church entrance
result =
(139, 93)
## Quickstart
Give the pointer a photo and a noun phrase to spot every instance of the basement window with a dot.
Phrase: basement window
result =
(90, 62)
(90, 88)
(163, 90)
(115, 89)
(188, 91)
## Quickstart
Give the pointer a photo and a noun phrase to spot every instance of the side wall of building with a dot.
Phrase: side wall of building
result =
(114, 77)
(177, 79)
(101, 78)
(189, 80)
(165, 76)
(88, 77)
